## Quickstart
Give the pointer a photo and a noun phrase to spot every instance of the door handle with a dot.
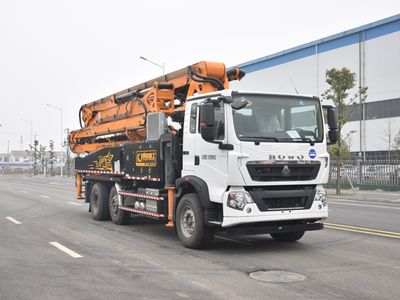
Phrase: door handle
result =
(196, 160)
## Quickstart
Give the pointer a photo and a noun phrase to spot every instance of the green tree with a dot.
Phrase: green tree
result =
(341, 82)
(42, 155)
(34, 155)
(343, 152)
(68, 159)
(51, 157)
(396, 143)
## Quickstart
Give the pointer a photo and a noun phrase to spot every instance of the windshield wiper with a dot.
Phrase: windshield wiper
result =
(259, 138)
(303, 139)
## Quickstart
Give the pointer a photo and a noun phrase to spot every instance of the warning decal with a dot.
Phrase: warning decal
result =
(146, 158)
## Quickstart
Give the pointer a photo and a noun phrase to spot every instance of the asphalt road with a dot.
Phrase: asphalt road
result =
(51, 248)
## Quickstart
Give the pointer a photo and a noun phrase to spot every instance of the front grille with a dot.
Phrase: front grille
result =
(283, 198)
(283, 171)
(279, 203)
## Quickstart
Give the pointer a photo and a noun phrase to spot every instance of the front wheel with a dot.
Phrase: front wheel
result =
(287, 237)
(192, 231)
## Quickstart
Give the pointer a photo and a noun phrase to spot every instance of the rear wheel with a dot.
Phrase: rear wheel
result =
(287, 237)
(119, 217)
(99, 202)
(190, 226)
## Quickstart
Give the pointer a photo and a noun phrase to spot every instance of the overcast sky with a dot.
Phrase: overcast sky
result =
(67, 53)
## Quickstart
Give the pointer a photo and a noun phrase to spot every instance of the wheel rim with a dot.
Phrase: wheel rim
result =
(95, 202)
(114, 204)
(188, 222)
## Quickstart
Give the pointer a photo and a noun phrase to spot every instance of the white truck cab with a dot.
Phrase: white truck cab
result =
(263, 158)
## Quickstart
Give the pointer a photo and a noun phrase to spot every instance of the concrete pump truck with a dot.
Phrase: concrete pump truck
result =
(188, 151)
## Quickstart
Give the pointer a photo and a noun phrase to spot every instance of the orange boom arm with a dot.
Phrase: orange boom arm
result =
(122, 116)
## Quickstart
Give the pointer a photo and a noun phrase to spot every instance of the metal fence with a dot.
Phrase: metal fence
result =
(380, 173)
(27, 168)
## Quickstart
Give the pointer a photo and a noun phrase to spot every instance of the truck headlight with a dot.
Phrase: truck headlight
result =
(238, 200)
(320, 195)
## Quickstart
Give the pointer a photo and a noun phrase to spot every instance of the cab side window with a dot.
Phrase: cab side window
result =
(219, 121)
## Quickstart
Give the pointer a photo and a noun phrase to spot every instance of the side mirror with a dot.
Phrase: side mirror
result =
(333, 125)
(207, 121)
(332, 118)
(333, 136)
(239, 103)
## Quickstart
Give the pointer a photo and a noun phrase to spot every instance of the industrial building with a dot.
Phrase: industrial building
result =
(371, 51)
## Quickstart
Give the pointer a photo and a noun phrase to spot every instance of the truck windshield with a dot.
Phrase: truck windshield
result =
(269, 118)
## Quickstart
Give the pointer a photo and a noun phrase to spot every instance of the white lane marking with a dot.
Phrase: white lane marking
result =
(232, 240)
(56, 183)
(65, 186)
(367, 202)
(364, 205)
(74, 203)
(182, 295)
(202, 285)
(25, 192)
(65, 250)
(45, 196)
(13, 220)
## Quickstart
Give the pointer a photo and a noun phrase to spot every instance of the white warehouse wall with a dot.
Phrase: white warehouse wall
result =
(382, 67)
(299, 74)
(345, 57)
(372, 52)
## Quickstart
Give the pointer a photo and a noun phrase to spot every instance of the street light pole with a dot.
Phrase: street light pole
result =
(30, 122)
(61, 134)
(154, 63)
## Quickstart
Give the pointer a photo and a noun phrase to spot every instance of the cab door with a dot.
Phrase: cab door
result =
(211, 162)
(189, 139)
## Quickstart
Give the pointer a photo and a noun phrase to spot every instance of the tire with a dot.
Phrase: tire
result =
(287, 237)
(192, 231)
(118, 216)
(99, 202)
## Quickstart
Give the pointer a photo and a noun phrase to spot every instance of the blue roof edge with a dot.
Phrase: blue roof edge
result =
(323, 40)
